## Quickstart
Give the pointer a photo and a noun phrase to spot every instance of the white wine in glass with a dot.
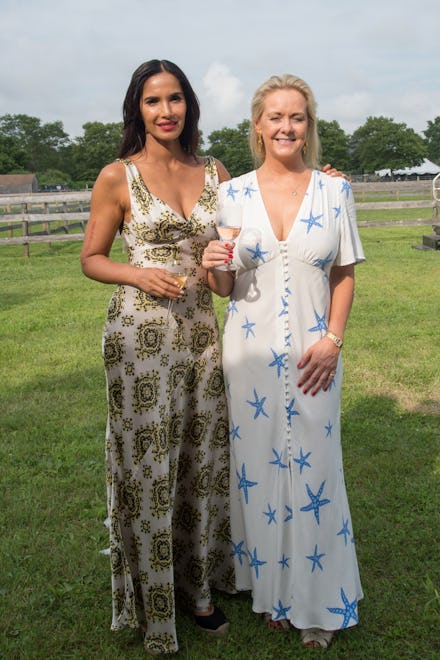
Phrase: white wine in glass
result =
(229, 227)
(228, 233)
(180, 275)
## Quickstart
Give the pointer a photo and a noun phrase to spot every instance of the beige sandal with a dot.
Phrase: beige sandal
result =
(316, 637)
(277, 625)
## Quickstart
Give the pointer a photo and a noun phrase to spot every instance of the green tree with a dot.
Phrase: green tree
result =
(334, 144)
(12, 158)
(40, 144)
(97, 147)
(231, 147)
(54, 178)
(432, 135)
(382, 143)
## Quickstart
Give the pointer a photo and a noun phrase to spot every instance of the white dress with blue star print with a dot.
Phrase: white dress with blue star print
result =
(292, 533)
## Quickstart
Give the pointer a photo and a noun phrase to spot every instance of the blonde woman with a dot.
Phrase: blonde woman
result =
(291, 295)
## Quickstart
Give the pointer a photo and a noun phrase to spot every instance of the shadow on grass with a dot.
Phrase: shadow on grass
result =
(391, 466)
(56, 585)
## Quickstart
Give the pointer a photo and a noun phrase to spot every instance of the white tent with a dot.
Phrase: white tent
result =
(427, 167)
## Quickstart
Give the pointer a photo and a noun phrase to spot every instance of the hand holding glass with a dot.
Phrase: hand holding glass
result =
(180, 275)
(228, 228)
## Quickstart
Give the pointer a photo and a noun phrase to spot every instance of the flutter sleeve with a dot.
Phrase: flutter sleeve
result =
(350, 246)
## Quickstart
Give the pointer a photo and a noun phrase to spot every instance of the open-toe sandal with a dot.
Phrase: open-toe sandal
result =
(316, 637)
(277, 625)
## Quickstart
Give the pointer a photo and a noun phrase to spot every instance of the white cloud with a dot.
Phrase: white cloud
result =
(348, 109)
(223, 97)
(75, 66)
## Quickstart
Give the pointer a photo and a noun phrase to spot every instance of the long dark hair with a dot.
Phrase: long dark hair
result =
(133, 136)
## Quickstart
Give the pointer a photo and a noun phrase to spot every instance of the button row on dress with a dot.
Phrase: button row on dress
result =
(287, 391)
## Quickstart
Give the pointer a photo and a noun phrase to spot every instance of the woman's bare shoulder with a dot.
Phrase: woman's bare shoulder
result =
(112, 174)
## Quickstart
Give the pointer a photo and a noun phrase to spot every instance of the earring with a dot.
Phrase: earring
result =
(260, 141)
(304, 149)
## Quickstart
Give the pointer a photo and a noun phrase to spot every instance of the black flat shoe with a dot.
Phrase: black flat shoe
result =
(215, 623)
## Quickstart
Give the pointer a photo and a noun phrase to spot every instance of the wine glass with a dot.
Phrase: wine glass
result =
(180, 275)
(229, 227)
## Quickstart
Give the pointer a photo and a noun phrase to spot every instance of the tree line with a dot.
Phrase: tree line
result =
(28, 145)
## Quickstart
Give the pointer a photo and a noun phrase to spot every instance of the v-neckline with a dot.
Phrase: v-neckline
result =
(163, 203)
(294, 223)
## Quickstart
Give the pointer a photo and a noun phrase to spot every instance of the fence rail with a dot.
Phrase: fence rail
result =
(52, 217)
(43, 218)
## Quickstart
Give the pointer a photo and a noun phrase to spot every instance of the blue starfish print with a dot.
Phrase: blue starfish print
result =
(315, 558)
(337, 210)
(287, 339)
(232, 192)
(270, 513)
(277, 460)
(312, 221)
(287, 291)
(248, 327)
(248, 190)
(258, 405)
(291, 412)
(257, 254)
(344, 531)
(346, 188)
(232, 307)
(349, 612)
(302, 460)
(278, 361)
(234, 433)
(244, 483)
(284, 306)
(321, 184)
(329, 429)
(280, 611)
(237, 551)
(289, 513)
(255, 562)
(322, 263)
(321, 325)
(315, 502)
(284, 562)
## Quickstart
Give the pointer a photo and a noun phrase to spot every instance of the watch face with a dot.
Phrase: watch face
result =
(336, 340)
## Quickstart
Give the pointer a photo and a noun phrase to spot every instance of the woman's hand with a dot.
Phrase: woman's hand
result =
(332, 171)
(319, 363)
(158, 282)
(217, 253)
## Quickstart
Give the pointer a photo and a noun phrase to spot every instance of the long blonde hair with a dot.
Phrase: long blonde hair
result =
(311, 152)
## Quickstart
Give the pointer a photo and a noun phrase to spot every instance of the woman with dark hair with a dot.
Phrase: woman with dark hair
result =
(291, 295)
(167, 432)
(133, 138)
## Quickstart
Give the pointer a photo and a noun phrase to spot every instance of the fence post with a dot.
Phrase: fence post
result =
(25, 232)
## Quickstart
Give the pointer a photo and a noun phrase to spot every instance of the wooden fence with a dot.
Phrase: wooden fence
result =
(43, 218)
(53, 217)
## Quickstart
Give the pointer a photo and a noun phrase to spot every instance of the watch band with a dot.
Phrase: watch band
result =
(335, 339)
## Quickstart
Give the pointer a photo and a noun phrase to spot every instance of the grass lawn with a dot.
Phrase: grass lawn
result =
(55, 583)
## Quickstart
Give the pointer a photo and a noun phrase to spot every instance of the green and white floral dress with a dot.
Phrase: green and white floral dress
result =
(167, 431)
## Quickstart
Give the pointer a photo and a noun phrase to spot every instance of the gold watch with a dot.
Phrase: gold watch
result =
(336, 340)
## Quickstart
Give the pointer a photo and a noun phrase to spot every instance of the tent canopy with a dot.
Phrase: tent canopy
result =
(427, 167)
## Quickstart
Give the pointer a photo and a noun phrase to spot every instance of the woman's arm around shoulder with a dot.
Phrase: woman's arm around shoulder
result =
(223, 174)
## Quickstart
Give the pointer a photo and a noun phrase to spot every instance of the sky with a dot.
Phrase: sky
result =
(72, 60)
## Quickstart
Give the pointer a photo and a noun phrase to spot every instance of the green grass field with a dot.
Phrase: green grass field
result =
(55, 583)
